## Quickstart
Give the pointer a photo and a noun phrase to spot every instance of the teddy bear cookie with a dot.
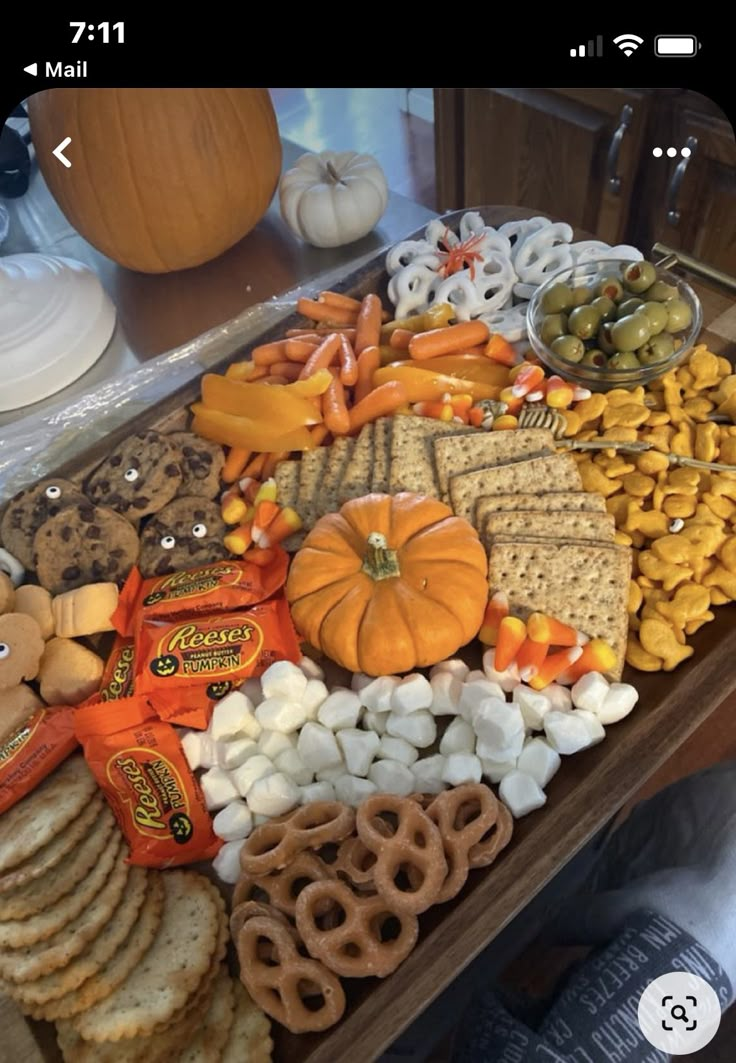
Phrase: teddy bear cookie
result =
(29, 509)
(186, 533)
(21, 649)
(84, 544)
(7, 594)
(201, 464)
(69, 672)
(139, 477)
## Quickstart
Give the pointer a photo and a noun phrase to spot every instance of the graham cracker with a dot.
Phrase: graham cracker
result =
(551, 502)
(287, 482)
(313, 465)
(357, 478)
(483, 450)
(584, 586)
(341, 453)
(596, 527)
(250, 1034)
(412, 453)
(380, 482)
(529, 476)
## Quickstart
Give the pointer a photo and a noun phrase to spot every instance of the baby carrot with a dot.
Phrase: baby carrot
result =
(319, 433)
(323, 356)
(381, 402)
(335, 315)
(289, 370)
(369, 360)
(318, 333)
(275, 379)
(338, 299)
(255, 466)
(268, 353)
(334, 411)
(348, 363)
(447, 340)
(260, 372)
(400, 339)
(368, 326)
(237, 459)
(299, 350)
(272, 461)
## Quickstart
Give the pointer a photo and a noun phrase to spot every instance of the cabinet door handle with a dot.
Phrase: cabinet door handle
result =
(614, 149)
(673, 191)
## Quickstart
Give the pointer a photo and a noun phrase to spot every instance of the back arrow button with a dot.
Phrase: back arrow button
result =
(59, 151)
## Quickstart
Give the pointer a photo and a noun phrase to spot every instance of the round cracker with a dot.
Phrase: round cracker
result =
(172, 968)
(34, 961)
(202, 992)
(15, 933)
(207, 1044)
(250, 1034)
(35, 820)
(38, 893)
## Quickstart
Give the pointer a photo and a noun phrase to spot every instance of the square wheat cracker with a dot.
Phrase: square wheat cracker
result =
(412, 453)
(357, 478)
(341, 452)
(482, 450)
(287, 482)
(314, 463)
(534, 474)
(382, 455)
(597, 527)
(550, 502)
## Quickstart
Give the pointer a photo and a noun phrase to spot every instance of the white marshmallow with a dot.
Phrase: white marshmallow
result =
(491, 751)
(340, 709)
(569, 732)
(273, 795)
(446, 691)
(233, 718)
(475, 675)
(259, 820)
(291, 764)
(318, 791)
(458, 738)
(539, 760)
(590, 692)
(279, 714)
(533, 705)
(311, 669)
(521, 793)
(419, 728)
(412, 693)
(428, 774)
(460, 768)
(507, 679)
(494, 770)
(455, 666)
(377, 695)
(318, 747)
(474, 694)
(375, 721)
(231, 755)
(618, 703)
(252, 690)
(254, 768)
(332, 773)
(271, 743)
(313, 697)
(559, 697)
(227, 862)
(284, 680)
(391, 777)
(199, 749)
(498, 724)
(596, 731)
(358, 749)
(233, 822)
(359, 681)
(352, 790)
(218, 788)
(396, 749)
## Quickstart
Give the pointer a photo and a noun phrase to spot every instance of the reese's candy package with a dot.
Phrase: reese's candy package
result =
(213, 649)
(119, 674)
(138, 762)
(33, 750)
(189, 706)
(215, 588)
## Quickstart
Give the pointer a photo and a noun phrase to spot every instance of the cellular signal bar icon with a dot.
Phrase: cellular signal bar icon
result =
(594, 48)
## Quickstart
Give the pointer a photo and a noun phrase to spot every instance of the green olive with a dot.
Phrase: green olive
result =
(679, 315)
(630, 333)
(629, 306)
(571, 348)
(595, 357)
(624, 360)
(657, 314)
(558, 299)
(611, 287)
(660, 291)
(605, 339)
(638, 276)
(656, 349)
(584, 322)
(582, 295)
(605, 307)
(553, 325)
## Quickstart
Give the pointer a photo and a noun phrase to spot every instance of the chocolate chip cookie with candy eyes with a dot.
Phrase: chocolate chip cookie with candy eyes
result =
(139, 477)
(186, 533)
(31, 508)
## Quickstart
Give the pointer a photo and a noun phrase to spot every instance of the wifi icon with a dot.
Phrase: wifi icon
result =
(628, 42)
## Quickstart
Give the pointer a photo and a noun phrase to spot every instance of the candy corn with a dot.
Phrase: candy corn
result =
(511, 636)
(233, 506)
(505, 422)
(284, 524)
(553, 666)
(527, 379)
(477, 416)
(496, 610)
(513, 402)
(238, 541)
(530, 658)
(543, 628)
(249, 487)
(597, 656)
(500, 350)
(559, 393)
(581, 393)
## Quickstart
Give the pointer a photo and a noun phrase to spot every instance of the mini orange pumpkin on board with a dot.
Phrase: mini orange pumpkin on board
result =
(389, 583)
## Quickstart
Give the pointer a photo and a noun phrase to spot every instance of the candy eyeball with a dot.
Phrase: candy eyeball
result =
(199, 531)
(53, 491)
(168, 542)
(131, 475)
(4, 650)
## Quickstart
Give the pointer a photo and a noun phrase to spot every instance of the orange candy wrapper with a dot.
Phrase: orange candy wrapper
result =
(117, 679)
(138, 762)
(189, 706)
(216, 588)
(213, 649)
(32, 752)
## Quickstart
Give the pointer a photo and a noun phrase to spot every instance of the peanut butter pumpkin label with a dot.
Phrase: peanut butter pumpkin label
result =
(157, 798)
(193, 583)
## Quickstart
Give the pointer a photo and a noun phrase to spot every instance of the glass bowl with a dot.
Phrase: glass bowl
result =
(602, 378)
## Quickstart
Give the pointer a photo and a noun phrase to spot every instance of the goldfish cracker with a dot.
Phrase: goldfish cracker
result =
(724, 484)
(684, 377)
(689, 601)
(635, 598)
(704, 515)
(651, 462)
(664, 572)
(618, 506)
(706, 441)
(620, 434)
(573, 423)
(588, 434)
(678, 416)
(720, 506)
(614, 466)
(658, 639)
(726, 387)
(660, 438)
(625, 416)
(727, 553)
(650, 523)
(704, 368)
(638, 485)
(701, 566)
(683, 441)
(638, 539)
(596, 481)
(638, 657)
(679, 506)
(622, 539)
(672, 389)
(725, 368)
(644, 581)
(723, 580)
(698, 408)
(682, 481)
(623, 397)
(590, 409)
(674, 549)
(656, 418)
(717, 597)
(705, 538)
(728, 450)
(698, 621)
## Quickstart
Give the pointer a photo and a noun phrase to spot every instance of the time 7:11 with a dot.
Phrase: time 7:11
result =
(103, 27)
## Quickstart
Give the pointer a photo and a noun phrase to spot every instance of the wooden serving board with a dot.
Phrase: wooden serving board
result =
(581, 799)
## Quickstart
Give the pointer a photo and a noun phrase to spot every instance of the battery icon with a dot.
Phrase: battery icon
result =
(676, 45)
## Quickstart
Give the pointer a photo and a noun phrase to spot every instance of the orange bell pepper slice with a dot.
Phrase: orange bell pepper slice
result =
(262, 401)
(436, 316)
(426, 385)
(470, 367)
(248, 432)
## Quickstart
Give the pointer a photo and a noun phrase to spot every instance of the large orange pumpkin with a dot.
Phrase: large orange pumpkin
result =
(389, 583)
(161, 179)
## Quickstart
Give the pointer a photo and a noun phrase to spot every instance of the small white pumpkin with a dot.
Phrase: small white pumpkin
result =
(333, 198)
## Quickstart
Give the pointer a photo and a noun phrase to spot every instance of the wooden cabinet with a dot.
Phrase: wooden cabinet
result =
(585, 155)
